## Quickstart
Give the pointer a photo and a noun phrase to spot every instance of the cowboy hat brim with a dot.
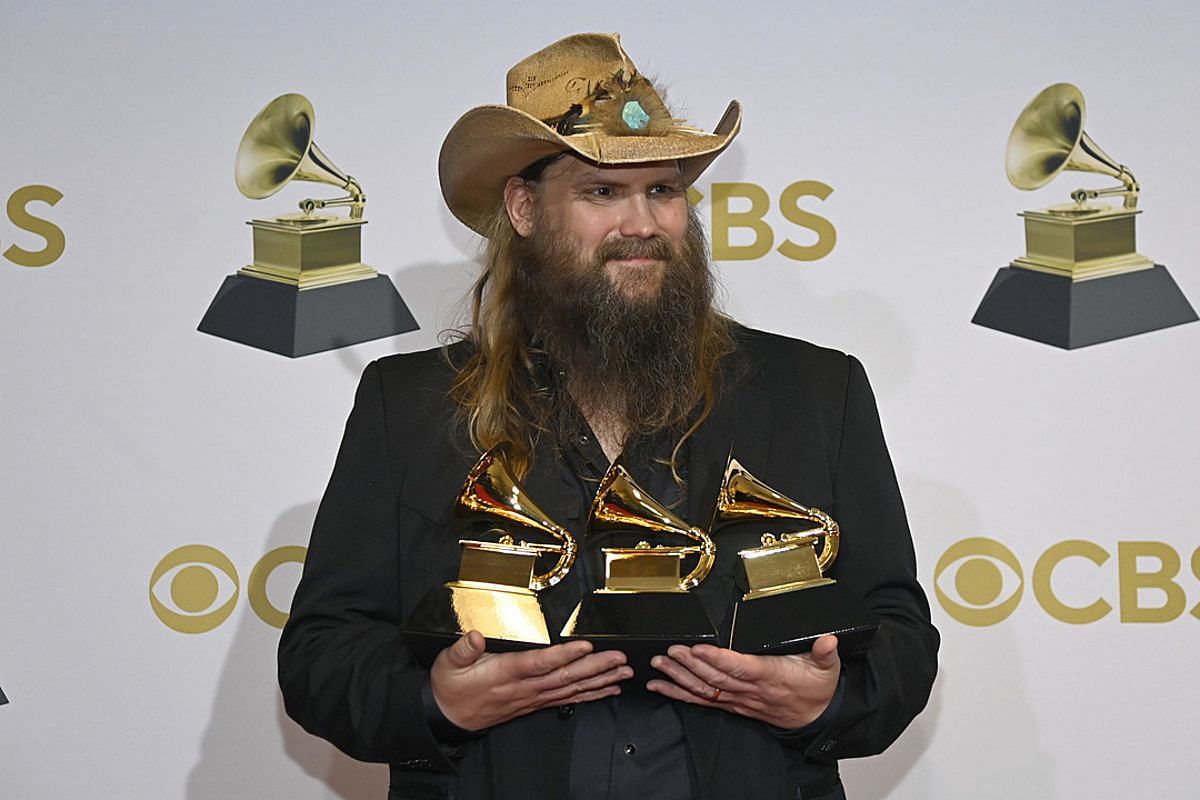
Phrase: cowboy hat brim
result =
(491, 143)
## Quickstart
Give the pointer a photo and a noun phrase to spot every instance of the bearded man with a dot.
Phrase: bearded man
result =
(593, 334)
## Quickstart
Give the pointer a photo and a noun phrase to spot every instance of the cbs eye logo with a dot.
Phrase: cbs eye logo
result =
(978, 581)
(195, 588)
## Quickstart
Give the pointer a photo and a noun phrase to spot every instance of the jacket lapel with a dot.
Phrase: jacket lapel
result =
(740, 425)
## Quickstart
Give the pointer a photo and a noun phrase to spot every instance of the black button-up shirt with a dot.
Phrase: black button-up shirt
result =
(633, 743)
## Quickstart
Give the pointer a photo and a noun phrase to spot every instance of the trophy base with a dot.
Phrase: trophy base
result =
(789, 623)
(641, 625)
(509, 619)
(1058, 311)
(282, 319)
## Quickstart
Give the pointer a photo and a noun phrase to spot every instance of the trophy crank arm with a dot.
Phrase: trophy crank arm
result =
(356, 200)
(1129, 189)
(831, 534)
(566, 557)
(708, 556)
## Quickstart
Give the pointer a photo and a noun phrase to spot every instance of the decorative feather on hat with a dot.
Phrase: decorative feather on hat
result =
(582, 94)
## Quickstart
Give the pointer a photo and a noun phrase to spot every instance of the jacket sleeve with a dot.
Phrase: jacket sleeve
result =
(343, 669)
(888, 687)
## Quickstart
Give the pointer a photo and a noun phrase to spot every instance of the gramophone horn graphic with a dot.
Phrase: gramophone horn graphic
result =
(497, 585)
(1081, 280)
(646, 605)
(307, 290)
(791, 602)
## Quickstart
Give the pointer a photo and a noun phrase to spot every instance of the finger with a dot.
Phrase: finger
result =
(677, 692)
(721, 669)
(544, 660)
(742, 666)
(579, 670)
(466, 650)
(824, 654)
(598, 694)
(573, 691)
(684, 678)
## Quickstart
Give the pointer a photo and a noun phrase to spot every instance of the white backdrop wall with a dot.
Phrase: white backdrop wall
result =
(126, 434)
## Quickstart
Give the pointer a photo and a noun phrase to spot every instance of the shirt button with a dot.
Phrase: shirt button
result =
(630, 749)
(828, 745)
(565, 712)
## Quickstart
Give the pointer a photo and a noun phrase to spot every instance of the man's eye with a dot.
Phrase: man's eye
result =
(664, 189)
(601, 191)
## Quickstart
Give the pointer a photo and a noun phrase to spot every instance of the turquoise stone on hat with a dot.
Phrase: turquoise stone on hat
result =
(635, 116)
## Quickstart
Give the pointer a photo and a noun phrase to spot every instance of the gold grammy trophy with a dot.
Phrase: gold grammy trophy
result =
(791, 602)
(307, 289)
(1081, 280)
(646, 605)
(497, 585)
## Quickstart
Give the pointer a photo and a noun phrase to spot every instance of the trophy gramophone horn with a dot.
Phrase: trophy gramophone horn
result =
(621, 504)
(492, 493)
(1048, 138)
(278, 147)
(744, 496)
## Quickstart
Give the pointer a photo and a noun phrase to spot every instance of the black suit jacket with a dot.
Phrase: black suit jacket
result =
(802, 418)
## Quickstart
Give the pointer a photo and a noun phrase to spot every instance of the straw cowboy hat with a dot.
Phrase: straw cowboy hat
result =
(581, 94)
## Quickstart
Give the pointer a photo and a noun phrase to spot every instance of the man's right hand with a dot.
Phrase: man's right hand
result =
(476, 689)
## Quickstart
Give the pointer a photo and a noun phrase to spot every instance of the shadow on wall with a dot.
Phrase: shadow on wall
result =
(433, 292)
(251, 748)
(980, 698)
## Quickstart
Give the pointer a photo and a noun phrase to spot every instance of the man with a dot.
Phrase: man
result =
(593, 334)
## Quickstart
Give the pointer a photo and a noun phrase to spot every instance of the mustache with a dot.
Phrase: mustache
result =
(656, 247)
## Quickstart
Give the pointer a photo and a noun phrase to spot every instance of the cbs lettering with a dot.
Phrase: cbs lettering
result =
(195, 588)
(745, 207)
(20, 215)
(980, 582)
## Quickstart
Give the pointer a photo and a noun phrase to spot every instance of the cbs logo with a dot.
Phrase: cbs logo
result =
(18, 214)
(744, 207)
(195, 588)
(980, 582)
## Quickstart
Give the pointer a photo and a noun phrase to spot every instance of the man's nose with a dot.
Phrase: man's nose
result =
(637, 218)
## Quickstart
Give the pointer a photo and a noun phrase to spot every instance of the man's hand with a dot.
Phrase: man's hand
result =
(476, 689)
(784, 691)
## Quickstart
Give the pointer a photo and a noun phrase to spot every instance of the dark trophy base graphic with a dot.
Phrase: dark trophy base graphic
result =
(641, 625)
(434, 625)
(3, 699)
(1056, 310)
(282, 319)
(789, 622)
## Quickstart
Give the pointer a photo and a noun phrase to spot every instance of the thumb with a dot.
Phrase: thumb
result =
(467, 650)
(825, 653)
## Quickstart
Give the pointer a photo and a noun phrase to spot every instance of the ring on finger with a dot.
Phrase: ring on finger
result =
(716, 695)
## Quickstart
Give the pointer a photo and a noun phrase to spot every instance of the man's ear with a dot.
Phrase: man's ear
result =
(519, 202)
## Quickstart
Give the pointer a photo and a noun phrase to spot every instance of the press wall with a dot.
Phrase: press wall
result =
(865, 207)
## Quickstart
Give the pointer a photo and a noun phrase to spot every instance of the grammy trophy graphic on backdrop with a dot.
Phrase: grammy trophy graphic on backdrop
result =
(1081, 280)
(307, 290)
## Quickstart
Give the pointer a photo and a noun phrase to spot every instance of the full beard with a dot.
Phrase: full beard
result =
(631, 359)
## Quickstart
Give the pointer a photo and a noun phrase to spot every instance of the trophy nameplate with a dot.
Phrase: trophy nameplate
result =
(307, 289)
(497, 585)
(790, 602)
(1081, 280)
(645, 605)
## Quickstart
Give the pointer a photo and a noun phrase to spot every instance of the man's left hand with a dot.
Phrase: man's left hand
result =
(785, 691)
